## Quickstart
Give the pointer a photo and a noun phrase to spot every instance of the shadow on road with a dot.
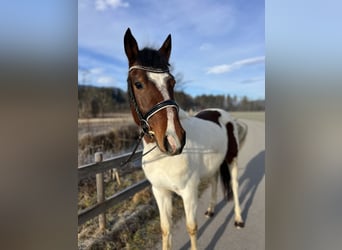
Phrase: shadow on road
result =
(252, 176)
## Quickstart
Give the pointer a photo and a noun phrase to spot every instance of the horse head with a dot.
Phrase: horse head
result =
(151, 93)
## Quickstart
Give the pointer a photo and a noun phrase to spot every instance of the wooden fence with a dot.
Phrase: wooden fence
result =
(104, 203)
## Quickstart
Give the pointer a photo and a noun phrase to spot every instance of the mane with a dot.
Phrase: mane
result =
(149, 57)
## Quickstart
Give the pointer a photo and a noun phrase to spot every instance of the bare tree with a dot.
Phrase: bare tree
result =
(85, 76)
(179, 77)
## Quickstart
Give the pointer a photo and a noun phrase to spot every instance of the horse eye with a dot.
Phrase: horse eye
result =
(139, 85)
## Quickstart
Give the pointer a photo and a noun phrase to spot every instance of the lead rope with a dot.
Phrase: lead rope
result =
(144, 127)
(135, 149)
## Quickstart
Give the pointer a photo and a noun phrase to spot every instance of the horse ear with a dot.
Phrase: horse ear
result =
(131, 47)
(165, 49)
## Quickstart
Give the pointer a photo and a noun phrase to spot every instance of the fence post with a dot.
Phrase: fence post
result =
(100, 191)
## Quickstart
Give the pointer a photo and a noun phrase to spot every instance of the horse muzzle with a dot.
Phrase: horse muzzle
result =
(174, 145)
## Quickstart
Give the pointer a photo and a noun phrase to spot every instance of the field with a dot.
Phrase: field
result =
(102, 125)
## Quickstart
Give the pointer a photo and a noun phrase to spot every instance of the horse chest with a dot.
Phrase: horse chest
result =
(174, 173)
(169, 172)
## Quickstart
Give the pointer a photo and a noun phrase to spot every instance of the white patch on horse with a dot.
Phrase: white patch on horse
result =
(159, 79)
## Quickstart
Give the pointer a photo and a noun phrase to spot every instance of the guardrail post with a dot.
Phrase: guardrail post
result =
(100, 191)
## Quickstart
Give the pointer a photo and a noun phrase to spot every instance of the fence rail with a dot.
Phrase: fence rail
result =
(103, 203)
(100, 167)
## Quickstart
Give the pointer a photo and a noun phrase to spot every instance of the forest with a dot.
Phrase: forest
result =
(103, 101)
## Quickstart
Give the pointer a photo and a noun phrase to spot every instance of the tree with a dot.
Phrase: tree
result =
(244, 104)
(95, 107)
(184, 100)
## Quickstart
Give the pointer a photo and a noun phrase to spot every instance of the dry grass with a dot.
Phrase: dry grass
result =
(88, 233)
(94, 126)
(111, 142)
(130, 224)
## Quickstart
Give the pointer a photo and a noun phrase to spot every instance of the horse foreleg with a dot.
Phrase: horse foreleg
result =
(190, 200)
(235, 186)
(213, 199)
(164, 202)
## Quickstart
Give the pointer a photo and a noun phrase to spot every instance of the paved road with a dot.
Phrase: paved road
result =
(219, 232)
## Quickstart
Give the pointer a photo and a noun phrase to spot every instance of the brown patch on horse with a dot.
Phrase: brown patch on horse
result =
(232, 151)
(209, 115)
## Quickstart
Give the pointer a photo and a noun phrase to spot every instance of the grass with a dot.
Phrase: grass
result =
(141, 230)
(94, 126)
(110, 142)
(89, 236)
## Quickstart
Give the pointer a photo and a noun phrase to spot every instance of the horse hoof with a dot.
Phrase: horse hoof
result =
(209, 214)
(239, 225)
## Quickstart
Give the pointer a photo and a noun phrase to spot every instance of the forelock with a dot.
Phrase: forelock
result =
(148, 57)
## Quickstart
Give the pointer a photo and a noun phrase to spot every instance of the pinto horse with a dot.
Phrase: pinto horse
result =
(182, 149)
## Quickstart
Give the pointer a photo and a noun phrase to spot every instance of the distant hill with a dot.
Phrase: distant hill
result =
(97, 101)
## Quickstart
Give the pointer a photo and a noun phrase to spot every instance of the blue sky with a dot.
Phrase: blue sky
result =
(218, 47)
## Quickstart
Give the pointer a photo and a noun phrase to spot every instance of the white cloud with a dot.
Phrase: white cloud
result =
(224, 68)
(105, 80)
(105, 4)
(96, 71)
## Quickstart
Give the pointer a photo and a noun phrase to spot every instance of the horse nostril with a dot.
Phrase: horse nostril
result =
(167, 145)
(171, 145)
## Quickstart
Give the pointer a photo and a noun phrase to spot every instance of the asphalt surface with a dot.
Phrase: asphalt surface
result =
(219, 232)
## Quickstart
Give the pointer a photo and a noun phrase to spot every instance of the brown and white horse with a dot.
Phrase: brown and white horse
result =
(183, 149)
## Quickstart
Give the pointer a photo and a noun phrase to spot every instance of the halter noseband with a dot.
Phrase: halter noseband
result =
(143, 118)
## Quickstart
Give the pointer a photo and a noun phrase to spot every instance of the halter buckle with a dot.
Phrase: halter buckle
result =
(145, 127)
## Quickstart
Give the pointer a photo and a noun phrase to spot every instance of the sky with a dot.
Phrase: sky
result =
(218, 47)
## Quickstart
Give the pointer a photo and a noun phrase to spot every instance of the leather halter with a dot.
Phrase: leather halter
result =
(143, 118)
